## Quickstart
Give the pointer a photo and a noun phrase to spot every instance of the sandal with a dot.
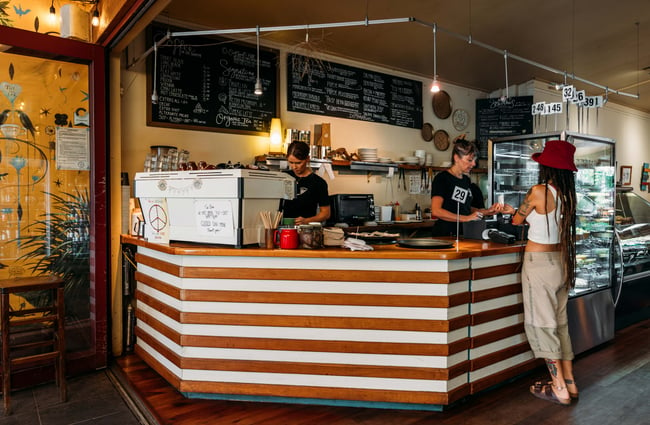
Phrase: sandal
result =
(545, 392)
(576, 395)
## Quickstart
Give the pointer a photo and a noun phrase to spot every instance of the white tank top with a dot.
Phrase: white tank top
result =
(541, 230)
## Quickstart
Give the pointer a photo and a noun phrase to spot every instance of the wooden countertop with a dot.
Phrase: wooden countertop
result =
(467, 248)
(395, 225)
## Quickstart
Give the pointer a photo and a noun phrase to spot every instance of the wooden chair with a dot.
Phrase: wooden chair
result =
(18, 355)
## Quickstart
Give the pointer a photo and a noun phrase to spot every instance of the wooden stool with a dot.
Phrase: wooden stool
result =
(21, 355)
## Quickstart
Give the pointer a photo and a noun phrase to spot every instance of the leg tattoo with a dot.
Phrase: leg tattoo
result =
(552, 367)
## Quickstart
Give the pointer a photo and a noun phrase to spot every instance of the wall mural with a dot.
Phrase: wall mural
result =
(44, 173)
(34, 15)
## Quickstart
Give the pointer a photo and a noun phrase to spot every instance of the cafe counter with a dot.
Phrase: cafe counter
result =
(393, 327)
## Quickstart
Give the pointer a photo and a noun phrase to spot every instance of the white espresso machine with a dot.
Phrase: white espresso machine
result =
(211, 206)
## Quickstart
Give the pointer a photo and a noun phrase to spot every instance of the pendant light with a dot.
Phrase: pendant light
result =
(52, 15)
(95, 19)
(154, 94)
(435, 86)
(258, 82)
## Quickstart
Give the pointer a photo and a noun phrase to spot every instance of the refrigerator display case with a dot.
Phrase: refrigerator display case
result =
(632, 287)
(511, 172)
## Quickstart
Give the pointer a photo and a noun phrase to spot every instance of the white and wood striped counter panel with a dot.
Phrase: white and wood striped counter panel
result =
(391, 327)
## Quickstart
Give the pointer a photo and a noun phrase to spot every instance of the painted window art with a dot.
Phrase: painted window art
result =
(44, 173)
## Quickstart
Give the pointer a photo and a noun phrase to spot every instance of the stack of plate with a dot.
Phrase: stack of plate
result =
(428, 161)
(412, 160)
(368, 154)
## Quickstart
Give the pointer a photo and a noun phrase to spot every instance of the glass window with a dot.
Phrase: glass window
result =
(45, 181)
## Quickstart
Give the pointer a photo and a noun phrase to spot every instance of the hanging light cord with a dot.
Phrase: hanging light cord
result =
(435, 54)
(470, 22)
(154, 95)
(258, 83)
(258, 52)
(638, 65)
(505, 61)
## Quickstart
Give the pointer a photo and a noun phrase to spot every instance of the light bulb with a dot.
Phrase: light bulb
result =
(95, 20)
(258, 87)
(435, 86)
(52, 16)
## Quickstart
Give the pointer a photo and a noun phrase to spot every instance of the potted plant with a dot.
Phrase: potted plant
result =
(58, 243)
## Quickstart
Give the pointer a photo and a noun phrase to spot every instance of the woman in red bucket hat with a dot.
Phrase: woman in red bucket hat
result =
(548, 271)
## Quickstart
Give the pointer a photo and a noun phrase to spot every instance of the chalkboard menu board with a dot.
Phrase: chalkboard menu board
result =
(206, 83)
(502, 118)
(335, 90)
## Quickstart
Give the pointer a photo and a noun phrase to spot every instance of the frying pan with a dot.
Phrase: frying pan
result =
(425, 243)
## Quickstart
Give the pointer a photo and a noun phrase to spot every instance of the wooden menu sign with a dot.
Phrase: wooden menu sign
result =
(335, 90)
(206, 83)
(499, 118)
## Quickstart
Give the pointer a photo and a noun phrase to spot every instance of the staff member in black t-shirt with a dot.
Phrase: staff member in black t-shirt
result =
(312, 202)
(451, 192)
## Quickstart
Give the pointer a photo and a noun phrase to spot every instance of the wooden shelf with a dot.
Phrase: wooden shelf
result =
(359, 167)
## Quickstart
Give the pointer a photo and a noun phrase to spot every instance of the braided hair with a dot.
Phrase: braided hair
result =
(564, 182)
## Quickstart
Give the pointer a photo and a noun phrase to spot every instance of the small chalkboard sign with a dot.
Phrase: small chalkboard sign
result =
(206, 83)
(327, 88)
(502, 118)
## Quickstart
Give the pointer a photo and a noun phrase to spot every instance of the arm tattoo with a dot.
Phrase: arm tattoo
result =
(525, 206)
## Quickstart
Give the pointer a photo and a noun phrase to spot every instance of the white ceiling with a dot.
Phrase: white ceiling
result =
(597, 40)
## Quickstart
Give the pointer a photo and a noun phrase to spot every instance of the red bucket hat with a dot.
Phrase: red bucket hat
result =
(557, 154)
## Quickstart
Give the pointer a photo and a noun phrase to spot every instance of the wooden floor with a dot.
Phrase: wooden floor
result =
(614, 382)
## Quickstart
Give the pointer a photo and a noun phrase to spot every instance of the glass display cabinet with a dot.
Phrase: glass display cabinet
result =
(511, 172)
(632, 287)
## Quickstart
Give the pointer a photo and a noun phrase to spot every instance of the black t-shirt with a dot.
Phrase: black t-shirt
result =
(445, 185)
(311, 192)
(477, 196)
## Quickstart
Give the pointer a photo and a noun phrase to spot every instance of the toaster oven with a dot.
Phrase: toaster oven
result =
(353, 209)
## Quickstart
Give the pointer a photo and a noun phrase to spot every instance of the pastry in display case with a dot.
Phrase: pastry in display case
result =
(632, 288)
(512, 172)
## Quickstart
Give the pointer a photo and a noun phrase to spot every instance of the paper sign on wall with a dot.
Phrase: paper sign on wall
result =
(72, 148)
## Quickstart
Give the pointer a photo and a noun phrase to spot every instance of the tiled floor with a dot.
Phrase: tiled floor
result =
(92, 399)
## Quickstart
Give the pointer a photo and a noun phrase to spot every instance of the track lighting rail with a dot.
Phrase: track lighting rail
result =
(366, 22)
